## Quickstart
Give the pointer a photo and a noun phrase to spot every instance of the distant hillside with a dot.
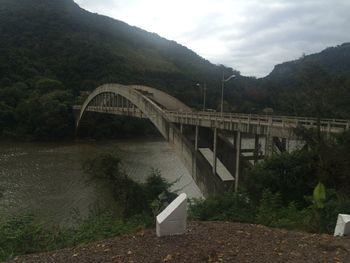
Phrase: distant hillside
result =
(58, 39)
(316, 84)
(50, 50)
(335, 60)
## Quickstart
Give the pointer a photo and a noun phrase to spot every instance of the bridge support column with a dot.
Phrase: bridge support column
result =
(214, 149)
(238, 158)
(256, 148)
(181, 128)
(268, 145)
(196, 139)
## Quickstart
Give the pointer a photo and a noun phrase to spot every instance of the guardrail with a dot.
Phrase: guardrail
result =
(266, 120)
(326, 124)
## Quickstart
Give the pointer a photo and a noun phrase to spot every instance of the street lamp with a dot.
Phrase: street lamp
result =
(222, 90)
(204, 89)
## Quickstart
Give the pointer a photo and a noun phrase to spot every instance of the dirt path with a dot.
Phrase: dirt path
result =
(208, 242)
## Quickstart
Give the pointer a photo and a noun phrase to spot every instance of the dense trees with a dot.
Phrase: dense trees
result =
(304, 190)
(52, 50)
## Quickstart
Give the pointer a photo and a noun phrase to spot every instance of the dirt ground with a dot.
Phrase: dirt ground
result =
(208, 242)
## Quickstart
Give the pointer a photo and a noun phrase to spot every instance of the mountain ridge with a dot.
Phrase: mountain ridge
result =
(334, 59)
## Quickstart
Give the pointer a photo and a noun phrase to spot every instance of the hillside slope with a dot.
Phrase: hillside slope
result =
(314, 85)
(50, 50)
(58, 39)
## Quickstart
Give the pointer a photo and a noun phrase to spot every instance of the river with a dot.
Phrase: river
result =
(47, 179)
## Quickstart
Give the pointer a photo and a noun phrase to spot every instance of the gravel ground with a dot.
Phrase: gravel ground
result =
(208, 242)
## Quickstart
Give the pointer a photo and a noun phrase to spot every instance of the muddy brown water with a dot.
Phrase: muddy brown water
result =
(47, 179)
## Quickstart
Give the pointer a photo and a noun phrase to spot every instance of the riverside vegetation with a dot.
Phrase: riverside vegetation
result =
(137, 203)
(303, 190)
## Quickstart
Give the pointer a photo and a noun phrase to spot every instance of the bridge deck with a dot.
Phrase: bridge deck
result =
(280, 126)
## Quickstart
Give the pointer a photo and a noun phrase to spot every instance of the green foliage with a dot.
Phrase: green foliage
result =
(47, 116)
(227, 206)
(285, 190)
(319, 195)
(45, 85)
(22, 235)
(271, 212)
(293, 175)
(103, 226)
(134, 198)
(158, 192)
(56, 46)
(17, 233)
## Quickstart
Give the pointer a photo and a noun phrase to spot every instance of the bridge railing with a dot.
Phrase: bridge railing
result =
(266, 120)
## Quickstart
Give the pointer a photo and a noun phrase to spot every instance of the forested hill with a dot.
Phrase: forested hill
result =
(58, 39)
(313, 85)
(50, 50)
(335, 60)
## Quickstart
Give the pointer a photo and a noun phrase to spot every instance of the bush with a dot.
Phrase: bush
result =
(292, 175)
(20, 235)
(271, 212)
(134, 198)
(227, 206)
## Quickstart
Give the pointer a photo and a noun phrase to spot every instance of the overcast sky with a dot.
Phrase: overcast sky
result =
(248, 35)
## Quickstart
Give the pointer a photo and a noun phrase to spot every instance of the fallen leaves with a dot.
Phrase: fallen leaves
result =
(168, 258)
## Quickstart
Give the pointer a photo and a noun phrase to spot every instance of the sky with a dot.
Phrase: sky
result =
(248, 35)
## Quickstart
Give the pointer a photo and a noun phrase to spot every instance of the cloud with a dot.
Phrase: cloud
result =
(250, 36)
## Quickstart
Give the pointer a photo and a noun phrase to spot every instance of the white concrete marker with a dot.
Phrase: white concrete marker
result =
(343, 225)
(172, 220)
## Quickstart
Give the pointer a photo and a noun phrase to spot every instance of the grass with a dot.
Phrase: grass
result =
(22, 235)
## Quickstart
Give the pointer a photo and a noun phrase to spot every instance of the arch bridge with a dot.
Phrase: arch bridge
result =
(209, 144)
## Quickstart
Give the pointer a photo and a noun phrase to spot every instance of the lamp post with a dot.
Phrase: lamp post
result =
(204, 90)
(222, 90)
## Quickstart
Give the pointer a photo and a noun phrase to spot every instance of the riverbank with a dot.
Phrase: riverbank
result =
(208, 242)
(47, 180)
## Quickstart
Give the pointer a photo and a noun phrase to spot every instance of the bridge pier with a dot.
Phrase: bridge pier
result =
(256, 148)
(268, 145)
(214, 149)
(238, 143)
(196, 138)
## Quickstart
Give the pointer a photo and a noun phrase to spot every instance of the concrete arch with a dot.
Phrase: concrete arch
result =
(153, 104)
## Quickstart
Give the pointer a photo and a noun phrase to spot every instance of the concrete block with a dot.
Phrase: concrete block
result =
(172, 220)
(343, 225)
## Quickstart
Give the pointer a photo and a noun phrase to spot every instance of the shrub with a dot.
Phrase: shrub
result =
(227, 206)
(134, 198)
(272, 212)
(292, 175)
